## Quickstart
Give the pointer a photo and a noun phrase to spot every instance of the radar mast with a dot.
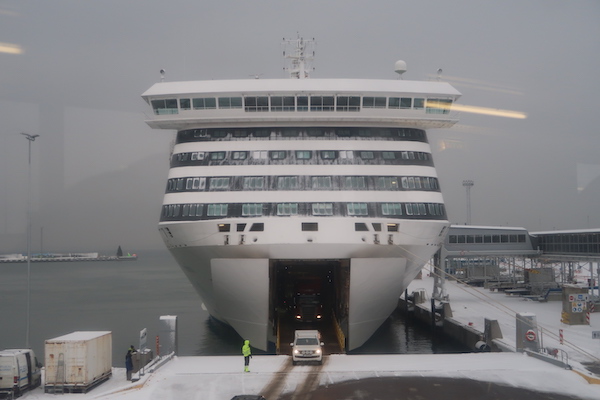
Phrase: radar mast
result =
(300, 56)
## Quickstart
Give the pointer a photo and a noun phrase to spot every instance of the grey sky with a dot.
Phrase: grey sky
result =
(84, 65)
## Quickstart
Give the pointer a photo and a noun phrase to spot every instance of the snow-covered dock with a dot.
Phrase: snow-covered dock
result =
(471, 305)
(214, 377)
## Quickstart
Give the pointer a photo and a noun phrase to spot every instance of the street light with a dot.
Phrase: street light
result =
(468, 184)
(30, 139)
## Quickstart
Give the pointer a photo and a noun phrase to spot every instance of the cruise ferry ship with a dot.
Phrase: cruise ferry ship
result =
(275, 181)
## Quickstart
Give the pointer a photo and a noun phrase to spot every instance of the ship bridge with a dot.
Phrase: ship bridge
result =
(276, 102)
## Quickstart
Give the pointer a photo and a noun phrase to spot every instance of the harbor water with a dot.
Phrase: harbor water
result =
(126, 297)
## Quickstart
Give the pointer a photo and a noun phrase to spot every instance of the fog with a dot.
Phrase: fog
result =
(73, 71)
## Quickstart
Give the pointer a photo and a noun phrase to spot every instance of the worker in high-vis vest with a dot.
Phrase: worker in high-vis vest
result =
(247, 354)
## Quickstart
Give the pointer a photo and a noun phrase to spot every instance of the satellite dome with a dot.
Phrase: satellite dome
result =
(400, 67)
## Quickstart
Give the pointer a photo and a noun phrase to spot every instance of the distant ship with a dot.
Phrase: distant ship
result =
(67, 257)
(273, 181)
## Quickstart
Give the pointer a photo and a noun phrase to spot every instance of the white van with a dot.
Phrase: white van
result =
(19, 371)
(307, 346)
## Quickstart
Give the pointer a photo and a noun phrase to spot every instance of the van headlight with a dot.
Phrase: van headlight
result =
(296, 351)
(318, 351)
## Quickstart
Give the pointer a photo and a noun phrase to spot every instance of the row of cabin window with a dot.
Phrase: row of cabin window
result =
(305, 226)
(199, 211)
(301, 103)
(297, 156)
(227, 183)
(196, 135)
(503, 238)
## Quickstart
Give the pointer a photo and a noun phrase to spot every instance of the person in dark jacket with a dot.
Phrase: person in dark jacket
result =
(129, 361)
(247, 354)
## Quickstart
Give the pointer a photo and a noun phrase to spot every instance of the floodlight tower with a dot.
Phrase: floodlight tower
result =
(468, 184)
(30, 138)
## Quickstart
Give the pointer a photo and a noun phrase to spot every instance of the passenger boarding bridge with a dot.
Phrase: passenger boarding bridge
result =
(481, 255)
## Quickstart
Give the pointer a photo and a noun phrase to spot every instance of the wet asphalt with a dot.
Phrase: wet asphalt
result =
(415, 388)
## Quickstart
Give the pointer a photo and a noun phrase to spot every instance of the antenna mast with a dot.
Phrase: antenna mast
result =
(300, 56)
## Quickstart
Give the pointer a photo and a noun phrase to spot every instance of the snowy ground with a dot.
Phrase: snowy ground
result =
(222, 377)
(473, 304)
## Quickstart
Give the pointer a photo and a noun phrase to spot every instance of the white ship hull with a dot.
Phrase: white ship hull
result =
(278, 182)
(233, 280)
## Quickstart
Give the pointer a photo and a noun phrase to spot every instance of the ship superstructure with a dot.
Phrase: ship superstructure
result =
(275, 180)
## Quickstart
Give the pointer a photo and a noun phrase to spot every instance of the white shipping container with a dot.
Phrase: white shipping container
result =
(78, 359)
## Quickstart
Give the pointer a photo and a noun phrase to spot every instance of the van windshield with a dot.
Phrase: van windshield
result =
(307, 341)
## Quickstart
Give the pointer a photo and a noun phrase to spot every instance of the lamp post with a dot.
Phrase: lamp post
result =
(30, 139)
(468, 184)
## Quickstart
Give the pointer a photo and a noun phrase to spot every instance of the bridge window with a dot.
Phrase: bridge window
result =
(374, 102)
(205, 103)
(348, 103)
(400, 102)
(165, 106)
(184, 104)
(230, 102)
(256, 103)
(257, 227)
(302, 103)
(279, 103)
(438, 106)
(321, 103)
